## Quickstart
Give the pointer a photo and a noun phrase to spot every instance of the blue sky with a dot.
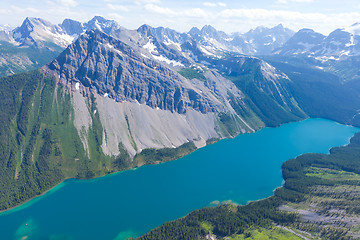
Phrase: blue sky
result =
(229, 16)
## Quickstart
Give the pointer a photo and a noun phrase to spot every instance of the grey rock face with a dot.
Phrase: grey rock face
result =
(166, 41)
(72, 27)
(114, 69)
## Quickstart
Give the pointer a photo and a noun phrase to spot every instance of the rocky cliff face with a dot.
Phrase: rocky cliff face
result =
(114, 69)
(144, 103)
(141, 102)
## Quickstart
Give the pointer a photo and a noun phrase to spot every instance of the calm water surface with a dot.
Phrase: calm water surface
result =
(131, 203)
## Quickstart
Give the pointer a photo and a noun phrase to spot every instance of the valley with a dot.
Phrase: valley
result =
(101, 99)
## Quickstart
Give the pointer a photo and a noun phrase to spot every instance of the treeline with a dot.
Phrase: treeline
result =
(154, 156)
(40, 146)
(29, 151)
(227, 220)
(320, 93)
(270, 108)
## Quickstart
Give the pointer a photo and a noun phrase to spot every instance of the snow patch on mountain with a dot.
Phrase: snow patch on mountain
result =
(108, 45)
(161, 58)
(168, 42)
(150, 46)
(353, 29)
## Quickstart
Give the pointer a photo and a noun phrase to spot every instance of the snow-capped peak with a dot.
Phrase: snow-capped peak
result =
(353, 29)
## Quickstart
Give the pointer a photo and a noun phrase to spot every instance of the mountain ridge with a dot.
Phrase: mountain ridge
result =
(118, 100)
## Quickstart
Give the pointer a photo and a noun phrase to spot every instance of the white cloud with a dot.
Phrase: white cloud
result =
(140, 2)
(159, 10)
(292, 19)
(263, 14)
(209, 4)
(192, 12)
(68, 3)
(213, 4)
(117, 7)
(20, 10)
(115, 16)
(296, 1)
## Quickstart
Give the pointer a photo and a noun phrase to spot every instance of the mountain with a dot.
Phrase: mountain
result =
(103, 106)
(156, 43)
(44, 40)
(265, 40)
(338, 45)
(37, 41)
(39, 32)
(212, 39)
(303, 42)
(341, 43)
(72, 27)
(30, 46)
(260, 41)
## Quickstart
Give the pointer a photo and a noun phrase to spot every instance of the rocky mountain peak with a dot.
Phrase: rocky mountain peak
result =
(211, 32)
(113, 69)
(194, 31)
(208, 29)
(307, 36)
(33, 29)
(72, 27)
(279, 26)
(145, 30)
(102, 24)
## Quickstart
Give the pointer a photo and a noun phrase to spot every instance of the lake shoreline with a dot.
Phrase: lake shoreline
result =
(177, 183)
(13, 209)
(136, 167)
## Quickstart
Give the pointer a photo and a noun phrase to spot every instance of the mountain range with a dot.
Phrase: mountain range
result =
(105, 98)
(37, 42)
(36, 35)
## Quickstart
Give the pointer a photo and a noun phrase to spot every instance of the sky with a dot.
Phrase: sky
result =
(230, 16)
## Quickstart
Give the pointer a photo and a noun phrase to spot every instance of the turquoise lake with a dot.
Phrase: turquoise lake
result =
(130, 203)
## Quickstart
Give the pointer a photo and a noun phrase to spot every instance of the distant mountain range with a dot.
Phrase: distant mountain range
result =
(37, 41)
(338, 45)
(36, 31)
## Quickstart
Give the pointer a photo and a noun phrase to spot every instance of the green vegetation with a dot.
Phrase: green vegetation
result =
(263, 102)
(40, 146)
(212, 140)
(154, 156)
(27, 147)
(224, 220)
(321, 94)
(26, 58)
(272, 233)
(191, 73)
(320, 195)
(331, 174)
